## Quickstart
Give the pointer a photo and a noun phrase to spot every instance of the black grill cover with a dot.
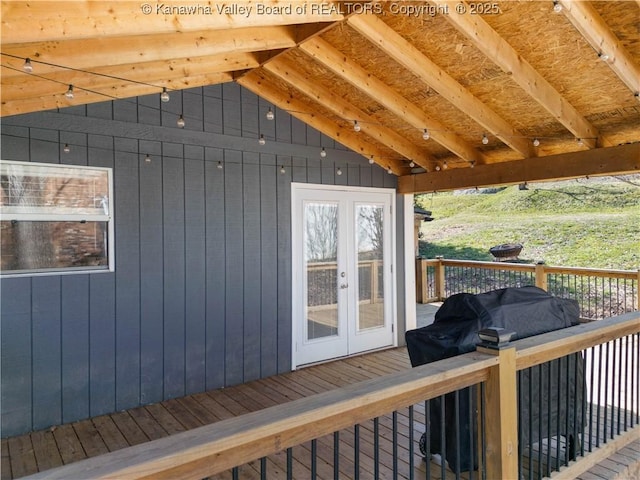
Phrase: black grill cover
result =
(527, 311)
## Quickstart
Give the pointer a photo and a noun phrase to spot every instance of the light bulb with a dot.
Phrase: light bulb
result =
(262, 140)
(66, 148)
(389, 171)
(339, 171)
(323, 152)
(147, 159)
(180, 121)
(356, 126)
(69, 93)
(604, 57)
(445, 166)
(472, 163)
(437, 168)
(282, 170)
(485, 139)
(425, 134)
(536, 142)
(580, 142)
(412, 164)
(637, 95)
(557, 7)
(164, 96)
(371, 160)
(219, 165)
(270, 115)
(27, 67)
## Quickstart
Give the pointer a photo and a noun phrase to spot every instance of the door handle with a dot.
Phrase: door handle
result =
(344, 285)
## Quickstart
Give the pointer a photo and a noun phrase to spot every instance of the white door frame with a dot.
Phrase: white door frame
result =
(296, 252)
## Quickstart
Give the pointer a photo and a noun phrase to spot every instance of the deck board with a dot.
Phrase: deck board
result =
(45, 449)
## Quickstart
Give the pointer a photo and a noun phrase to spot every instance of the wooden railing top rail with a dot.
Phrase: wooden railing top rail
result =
(218, 447)
(594, 272)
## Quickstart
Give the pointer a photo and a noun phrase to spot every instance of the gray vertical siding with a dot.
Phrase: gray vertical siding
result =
(200, 298)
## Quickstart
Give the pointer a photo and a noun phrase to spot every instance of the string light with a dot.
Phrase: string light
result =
(485, 139)
(66, 148)
(262, 140)
(270, 115)
(637, 95)
(472, 163)
(580, 142)
(164, 96)
(69, 93)
(426, 135)
(282, 170)
(356, 126)
(389, 171)
(536, 142)
(371, 160)
(323, 152)
(412, 164)
(219, 165)
(147, 159)
(603, 56)
(180, 121)
(445, 165)
(557, 7)
(27, 67)
(437, 168)
(339, 171)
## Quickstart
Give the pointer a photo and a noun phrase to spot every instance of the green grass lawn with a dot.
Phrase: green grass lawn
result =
(586, 223)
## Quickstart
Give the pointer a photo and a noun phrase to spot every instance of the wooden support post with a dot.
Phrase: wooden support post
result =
(541, 276)
(439, 276)
(501, 418)
(421, 281)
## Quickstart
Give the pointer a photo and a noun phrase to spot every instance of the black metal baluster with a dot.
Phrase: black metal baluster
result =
(549, 414)
(599, 395)
(336, 455)
(427, 439)
(483, 427)
(458, 433)
(289, 463)
(591, 370)
(394, 442)
(263, 468)
(471, 391)
(520, 420)
(606, 386)
(583, 402)
(376, 448)
(356, 451)
(530, 439)
(235, 473)
(558, 413)
(443, 438)
(618, 354)
(314, 459)
(411, 444)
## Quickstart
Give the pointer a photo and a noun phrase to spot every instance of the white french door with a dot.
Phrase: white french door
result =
(343, 294)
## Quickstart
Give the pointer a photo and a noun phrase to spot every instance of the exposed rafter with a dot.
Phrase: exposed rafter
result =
(489, 42)
(120, 91)
(40, 21)
(91, 53)
(594, 29)
(598, 161)
(256, 82)
(288, 71)
(388, 40)
(350, 71)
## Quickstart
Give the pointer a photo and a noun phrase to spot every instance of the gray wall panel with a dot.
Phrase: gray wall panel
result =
(174, 276)
(75, 346)
(195, 276)
(47, 350)
(201, 294)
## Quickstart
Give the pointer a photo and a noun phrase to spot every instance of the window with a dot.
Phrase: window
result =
(55, 219)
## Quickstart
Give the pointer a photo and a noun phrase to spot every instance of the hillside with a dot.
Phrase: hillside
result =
(582, 223)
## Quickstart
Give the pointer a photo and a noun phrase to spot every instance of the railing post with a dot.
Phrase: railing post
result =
(541, 275)
(637, 307)
(501, 417)
(439, 278)
(421, 281)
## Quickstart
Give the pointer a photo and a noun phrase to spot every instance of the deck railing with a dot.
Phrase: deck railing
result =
(382, 419)
(600, 293)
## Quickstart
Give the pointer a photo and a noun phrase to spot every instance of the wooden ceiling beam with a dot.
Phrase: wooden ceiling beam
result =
(399, 49)
(598, 161)
(498, 50)
(593, 28)
(91, 53)
(289, 72)
(255, 81)
(38, 21)
(323, 52)
(26, 86)
(118, 92)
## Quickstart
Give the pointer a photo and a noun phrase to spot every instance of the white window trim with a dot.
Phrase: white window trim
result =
(67, 217)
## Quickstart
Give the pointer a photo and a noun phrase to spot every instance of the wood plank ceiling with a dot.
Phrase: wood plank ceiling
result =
(505, 91)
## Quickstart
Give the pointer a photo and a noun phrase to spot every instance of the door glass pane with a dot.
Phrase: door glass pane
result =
(321, 263)
(370, 236)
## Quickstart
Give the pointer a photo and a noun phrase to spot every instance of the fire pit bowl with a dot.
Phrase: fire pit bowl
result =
(506, 251)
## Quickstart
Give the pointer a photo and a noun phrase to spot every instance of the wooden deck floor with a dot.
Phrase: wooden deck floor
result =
(64, 444)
